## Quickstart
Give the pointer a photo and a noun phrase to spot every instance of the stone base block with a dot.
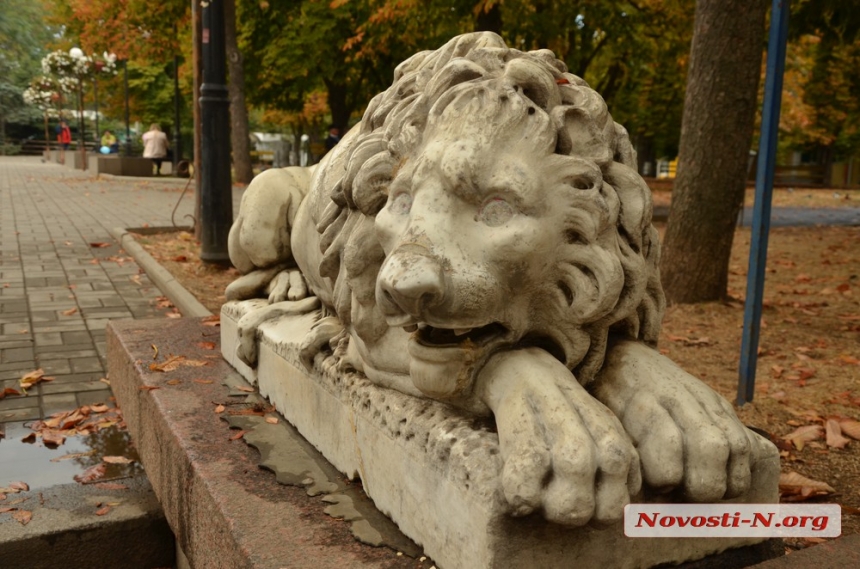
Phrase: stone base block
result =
(435, 471)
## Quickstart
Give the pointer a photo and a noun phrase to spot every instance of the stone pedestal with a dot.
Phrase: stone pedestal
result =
(434, 471)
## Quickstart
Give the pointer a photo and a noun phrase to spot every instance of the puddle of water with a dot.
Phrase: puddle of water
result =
(31, 463)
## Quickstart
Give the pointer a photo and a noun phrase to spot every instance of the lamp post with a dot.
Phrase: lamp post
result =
(177, 134)
(77, 54)
(216, 212)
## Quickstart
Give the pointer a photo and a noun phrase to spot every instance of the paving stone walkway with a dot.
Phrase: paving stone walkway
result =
(58, 290)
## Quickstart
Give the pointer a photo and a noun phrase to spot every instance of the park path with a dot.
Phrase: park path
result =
(57, 290)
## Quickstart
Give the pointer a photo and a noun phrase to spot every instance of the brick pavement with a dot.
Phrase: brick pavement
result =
(57, 291)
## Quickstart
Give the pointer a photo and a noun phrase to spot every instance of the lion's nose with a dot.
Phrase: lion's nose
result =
(410, 282)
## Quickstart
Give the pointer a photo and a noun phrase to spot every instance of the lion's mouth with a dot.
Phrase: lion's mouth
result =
(434, 337)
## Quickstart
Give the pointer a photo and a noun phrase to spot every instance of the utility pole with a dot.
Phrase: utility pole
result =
(216, 215)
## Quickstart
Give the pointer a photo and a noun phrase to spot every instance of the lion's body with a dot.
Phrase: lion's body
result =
(485, 219)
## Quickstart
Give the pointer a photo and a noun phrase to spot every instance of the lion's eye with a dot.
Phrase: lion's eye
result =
(401, 204)
(496, 212)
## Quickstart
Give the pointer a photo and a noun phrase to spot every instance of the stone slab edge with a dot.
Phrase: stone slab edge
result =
(65, 532)
(432, 471)
(187, 304)
(224, 510)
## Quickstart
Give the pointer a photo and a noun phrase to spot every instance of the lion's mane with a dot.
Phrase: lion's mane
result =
(608, 232)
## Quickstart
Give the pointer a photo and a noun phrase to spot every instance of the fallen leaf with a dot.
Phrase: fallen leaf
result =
(850, 427)
(110, 486)
(148, 387)
(834, 435)
(850, 511)
(20, 486)
(237, 436)
(245, 388)
(6, 510)
(180, 258)
(796, 485)
(23, 516)
(52, 439)
(32, 378)
(206, 345)
(99, 408)
(170, 364)
(155, 352)
(214, 320)
(8, 391)
(803, 435)
(135, 279)
(73, 455)
(219, 409)
(105, 380)
(103, 511)
(203, 381)
(99, 244)
(116, 460)
(69, 312)
(173, 381)
(272, 420)
(173, 315)
(91, 474)
(851, 360)
(195, 363)
(31, 438)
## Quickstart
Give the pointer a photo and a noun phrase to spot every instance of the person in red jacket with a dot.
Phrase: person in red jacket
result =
(64, 137)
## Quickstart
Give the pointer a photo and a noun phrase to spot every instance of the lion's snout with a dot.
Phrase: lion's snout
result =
(410, 282)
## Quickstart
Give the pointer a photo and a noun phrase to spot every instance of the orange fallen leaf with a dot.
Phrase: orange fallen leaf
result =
(214, 320)
(32, 378)
(237, 436)
(173, 315)
(52, 439)
(803, 435)
(31, 438)
(6, 510)
(170, 364)
(110, 486)
(116, 460)
(8, 391)
(91, 474)
(180, 258)
(148, 387)
(195, 363)
(23, 516)
(99, 244)
(219, 409)
(99, 408)
(69, 312)
(272, 420)
(851, 360)
(205, 345)
(103, 511)
(173, 381)
(72, 456)
(850, 427)
(245, 388)
(799, 486)
(155, 351)
(203, 381)
(20, 486)
(834, 435)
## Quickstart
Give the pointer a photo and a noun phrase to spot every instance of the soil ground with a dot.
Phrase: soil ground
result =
(809, 364)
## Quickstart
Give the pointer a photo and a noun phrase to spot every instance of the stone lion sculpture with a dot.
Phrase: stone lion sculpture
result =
(483, 238)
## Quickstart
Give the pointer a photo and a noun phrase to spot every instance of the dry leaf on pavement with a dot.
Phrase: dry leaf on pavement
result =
(803, 435)
(8, 391)
(116, 460)
(23, 516)
(91, 474)
(796, 487)
(170, 364)
(205, 345)
(237, 436)
(850, 427)
(32, 378)
(834, 435)
(102, 511)
(219, 409)
(272, 420)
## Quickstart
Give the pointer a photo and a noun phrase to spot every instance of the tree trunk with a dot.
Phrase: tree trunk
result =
(239, 133)
(197, 62)
(716, 133)
(338, 105)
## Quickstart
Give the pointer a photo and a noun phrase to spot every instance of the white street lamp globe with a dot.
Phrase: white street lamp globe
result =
(76, 53)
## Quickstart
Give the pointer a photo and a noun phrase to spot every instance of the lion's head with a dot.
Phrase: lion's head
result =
(490, 201)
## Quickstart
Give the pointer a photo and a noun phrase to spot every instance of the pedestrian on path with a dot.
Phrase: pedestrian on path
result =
(64, 137)
(155, 146)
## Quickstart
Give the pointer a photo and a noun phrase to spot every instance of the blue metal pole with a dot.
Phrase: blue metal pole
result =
(763, 192)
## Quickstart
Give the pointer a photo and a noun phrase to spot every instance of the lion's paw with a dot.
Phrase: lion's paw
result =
(564, 453)
(249, 324)
(287, 285)
(687, 435)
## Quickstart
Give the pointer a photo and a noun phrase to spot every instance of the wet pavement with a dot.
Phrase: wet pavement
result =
(62, 277)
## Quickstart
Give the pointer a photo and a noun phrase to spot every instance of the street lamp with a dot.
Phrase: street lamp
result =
(77, 54)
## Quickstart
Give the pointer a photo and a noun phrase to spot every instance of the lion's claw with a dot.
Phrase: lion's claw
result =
(564, 452)
(687, 435)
